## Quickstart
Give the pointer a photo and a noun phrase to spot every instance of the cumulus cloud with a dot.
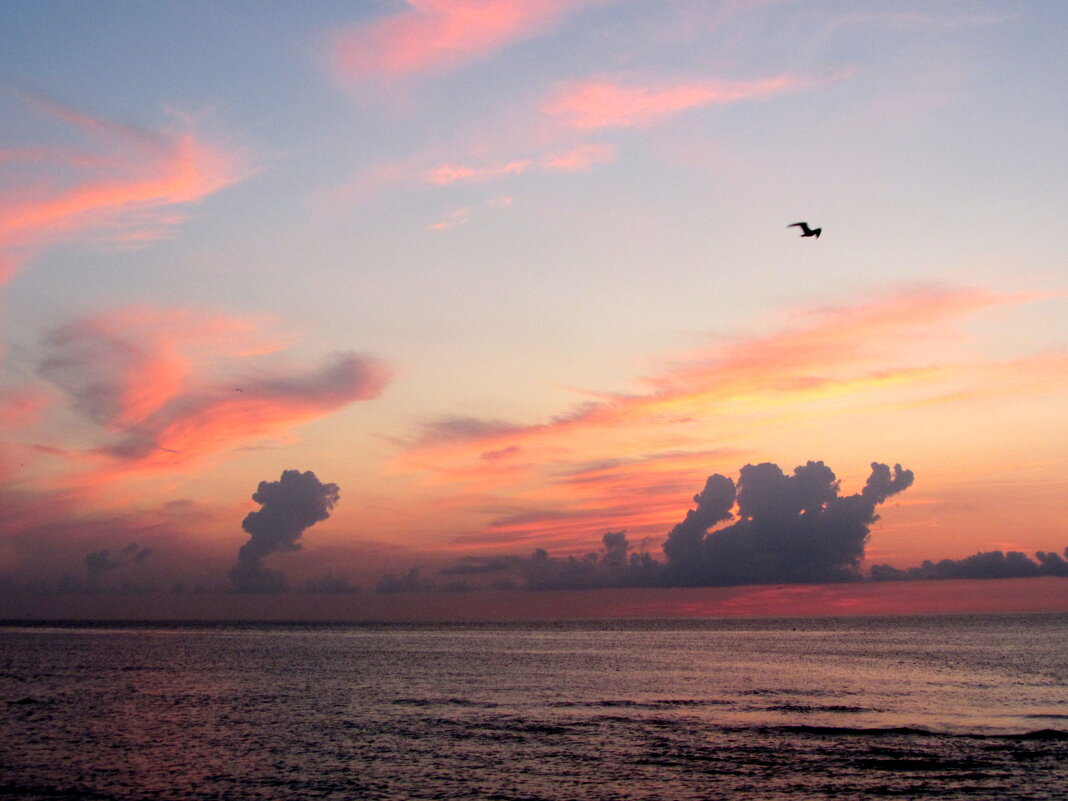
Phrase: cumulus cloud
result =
(97, 564)
(137, 553)
(790, 528)
(289, 506)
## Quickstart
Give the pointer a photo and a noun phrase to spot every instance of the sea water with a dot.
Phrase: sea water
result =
(857, 708)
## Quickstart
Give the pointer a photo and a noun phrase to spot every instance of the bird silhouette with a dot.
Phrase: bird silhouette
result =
(805, 230)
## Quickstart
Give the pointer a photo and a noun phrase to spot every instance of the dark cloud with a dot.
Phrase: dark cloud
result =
(790, 528)
(982, 565)
(97, 564)
(1052, 564)
(412, 581)
(329, 584)
(614, 565)
(290, 505)
(139, 554)
(474, 565)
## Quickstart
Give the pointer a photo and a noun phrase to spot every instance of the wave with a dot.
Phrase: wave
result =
(912, 731)
(1040, 734)
(461, 702)
(815, 708)
(660, 703)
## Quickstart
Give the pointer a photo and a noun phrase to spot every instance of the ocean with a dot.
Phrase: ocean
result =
(846, 708)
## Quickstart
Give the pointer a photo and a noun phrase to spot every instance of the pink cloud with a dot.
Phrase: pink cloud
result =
(124, 183)
(608, 104)
(451, 220)
(22, 409)
(580, 159)
(432, 35)
(170, 386)
(448, 173)
(120, 367)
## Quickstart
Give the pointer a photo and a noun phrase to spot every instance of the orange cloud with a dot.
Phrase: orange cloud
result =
(172, 386)
(122, 366)
(606, 104)
(633, 460)
(433, 35)
(125, 184)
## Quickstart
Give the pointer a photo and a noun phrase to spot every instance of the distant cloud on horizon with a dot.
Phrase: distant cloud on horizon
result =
(789, 528)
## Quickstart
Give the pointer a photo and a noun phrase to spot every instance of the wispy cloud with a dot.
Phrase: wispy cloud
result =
(580, 158)
(124, 184)
(448, 173)
(451, 220)
(607, 103)
(434, 35)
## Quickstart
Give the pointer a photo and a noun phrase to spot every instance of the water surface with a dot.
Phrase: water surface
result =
(967, 707)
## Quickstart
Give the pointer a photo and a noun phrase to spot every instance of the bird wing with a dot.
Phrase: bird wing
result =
(803, 225)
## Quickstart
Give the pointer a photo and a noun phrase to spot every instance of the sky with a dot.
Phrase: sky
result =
(407, 294)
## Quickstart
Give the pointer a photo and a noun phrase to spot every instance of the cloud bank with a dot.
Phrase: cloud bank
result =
(793, 528)
(982, 565)
(290, 505)
(788, 529)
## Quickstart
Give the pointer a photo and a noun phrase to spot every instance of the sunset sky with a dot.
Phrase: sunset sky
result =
(516, 273)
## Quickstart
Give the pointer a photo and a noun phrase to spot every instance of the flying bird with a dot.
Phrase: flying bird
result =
(805, 230)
